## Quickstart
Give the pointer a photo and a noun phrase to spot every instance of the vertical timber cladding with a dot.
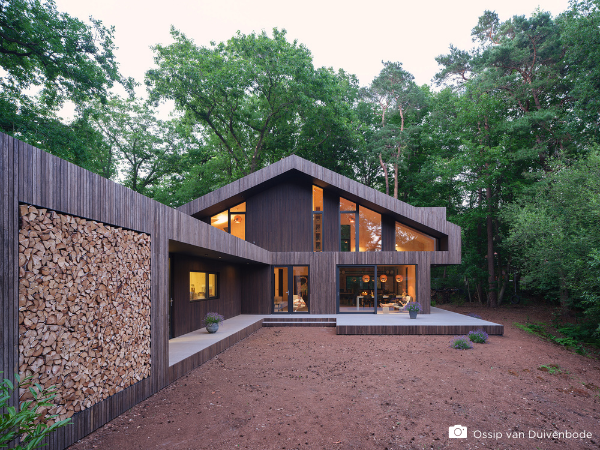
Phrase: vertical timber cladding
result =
(84, 307)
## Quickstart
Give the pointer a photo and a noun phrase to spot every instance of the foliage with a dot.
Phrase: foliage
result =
(552, 369)
(478, 336)
(554, 233)
(461, 343)
(48, 57)
(212, 317)
(413, 306)
(23, 426)
(539, 329)
(256, 98)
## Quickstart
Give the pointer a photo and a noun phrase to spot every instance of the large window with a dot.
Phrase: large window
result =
(232, 220)
(368, 232)
(203, 285)
(317, 219)
(376, 289)
(410, 240)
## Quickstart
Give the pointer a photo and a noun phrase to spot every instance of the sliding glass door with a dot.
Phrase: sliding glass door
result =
(291, 292)
(376, 289)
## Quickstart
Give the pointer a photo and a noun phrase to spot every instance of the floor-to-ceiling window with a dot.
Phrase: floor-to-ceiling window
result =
(381, 289)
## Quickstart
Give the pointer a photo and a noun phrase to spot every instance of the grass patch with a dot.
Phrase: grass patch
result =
(539, 329)
(552, 369)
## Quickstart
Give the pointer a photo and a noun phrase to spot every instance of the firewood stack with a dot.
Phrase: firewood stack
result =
(84, 307)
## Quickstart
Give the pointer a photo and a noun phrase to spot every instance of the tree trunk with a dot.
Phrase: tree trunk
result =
(492, 285)
(385, 174)
(564, 291)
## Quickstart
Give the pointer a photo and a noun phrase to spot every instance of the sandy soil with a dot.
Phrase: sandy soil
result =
(296, 388)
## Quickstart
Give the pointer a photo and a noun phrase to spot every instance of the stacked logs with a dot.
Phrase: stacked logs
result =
(84, 307)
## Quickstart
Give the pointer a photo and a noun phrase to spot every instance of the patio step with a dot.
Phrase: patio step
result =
(299, 322)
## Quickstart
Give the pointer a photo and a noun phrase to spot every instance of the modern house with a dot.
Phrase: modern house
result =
(96, 280)
(336, 247)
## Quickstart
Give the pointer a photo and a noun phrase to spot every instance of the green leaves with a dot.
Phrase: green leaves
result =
(27, 426)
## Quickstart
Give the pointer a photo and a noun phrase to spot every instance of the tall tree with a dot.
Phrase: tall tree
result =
(394, 93)
(252, 93)
(148, 149)
(48, 57)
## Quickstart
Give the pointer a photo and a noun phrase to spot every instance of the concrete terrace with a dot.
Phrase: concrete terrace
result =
(194, 349)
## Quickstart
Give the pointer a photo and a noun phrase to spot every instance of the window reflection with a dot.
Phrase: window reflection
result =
(369, 233)
(410, 240)
(348, 232)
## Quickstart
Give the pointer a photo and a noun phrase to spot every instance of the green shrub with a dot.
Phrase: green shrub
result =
(461, 343)
(478, 336)
(23, 427)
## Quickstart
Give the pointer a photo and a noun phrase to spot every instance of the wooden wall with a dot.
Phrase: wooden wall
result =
(331, 221)
(430, 220)
(188, 315)
(257, 296)
(279, 219)
(32, 176)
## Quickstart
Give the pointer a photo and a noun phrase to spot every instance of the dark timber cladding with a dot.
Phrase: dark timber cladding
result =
(275, 219)
(188, 315)
(430, 220)
(32, 176)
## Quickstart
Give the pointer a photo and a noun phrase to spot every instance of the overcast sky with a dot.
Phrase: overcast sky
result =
(355, 36)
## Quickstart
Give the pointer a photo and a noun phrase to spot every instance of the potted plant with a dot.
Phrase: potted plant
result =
(413, 309)
(212, 321)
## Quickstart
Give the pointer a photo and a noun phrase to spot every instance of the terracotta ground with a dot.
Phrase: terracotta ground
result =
(297, 388)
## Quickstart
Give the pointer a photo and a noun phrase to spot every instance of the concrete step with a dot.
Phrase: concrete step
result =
(290, 319)
(287, 323)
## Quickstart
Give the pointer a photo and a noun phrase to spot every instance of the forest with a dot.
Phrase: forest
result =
(506, 136)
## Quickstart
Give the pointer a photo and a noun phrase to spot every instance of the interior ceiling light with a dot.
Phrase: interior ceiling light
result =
(351, 219)
(237, 219)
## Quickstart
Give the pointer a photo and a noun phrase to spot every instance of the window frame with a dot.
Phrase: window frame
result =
(229, 214)
(206, 283)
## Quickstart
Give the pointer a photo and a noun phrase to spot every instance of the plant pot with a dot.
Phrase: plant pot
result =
(212, 327)
(413, 314)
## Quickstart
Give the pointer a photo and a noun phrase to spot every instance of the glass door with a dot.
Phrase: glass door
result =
(291, 289)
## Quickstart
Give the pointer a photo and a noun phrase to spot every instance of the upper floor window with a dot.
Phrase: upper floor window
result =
(317, 202)
(368, 232)
(232, 220)
(410, 240)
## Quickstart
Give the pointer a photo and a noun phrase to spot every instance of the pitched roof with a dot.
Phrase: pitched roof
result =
(432, 218)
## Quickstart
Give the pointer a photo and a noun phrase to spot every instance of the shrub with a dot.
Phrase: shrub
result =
(212, 317)
(478, 336)
(26, 427)
(461, 343)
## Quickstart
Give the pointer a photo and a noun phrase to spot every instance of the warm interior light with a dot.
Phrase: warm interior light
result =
(220, 219)
(383, 278)
(366, 278)
(399, 278)
(351, 219)
(237, 219)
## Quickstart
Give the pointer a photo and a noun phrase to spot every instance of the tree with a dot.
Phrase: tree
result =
(393, 92)
(147, 148)
(253, 93)
(554, 233)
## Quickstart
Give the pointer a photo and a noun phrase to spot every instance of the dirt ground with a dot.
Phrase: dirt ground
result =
(296, 388)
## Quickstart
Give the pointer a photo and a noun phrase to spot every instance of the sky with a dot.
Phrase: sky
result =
(349, 35)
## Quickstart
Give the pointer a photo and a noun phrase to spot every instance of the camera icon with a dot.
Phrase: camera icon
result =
(457, 432)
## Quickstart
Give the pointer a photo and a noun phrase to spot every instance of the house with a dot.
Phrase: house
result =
(95, 279)
(336, 247)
